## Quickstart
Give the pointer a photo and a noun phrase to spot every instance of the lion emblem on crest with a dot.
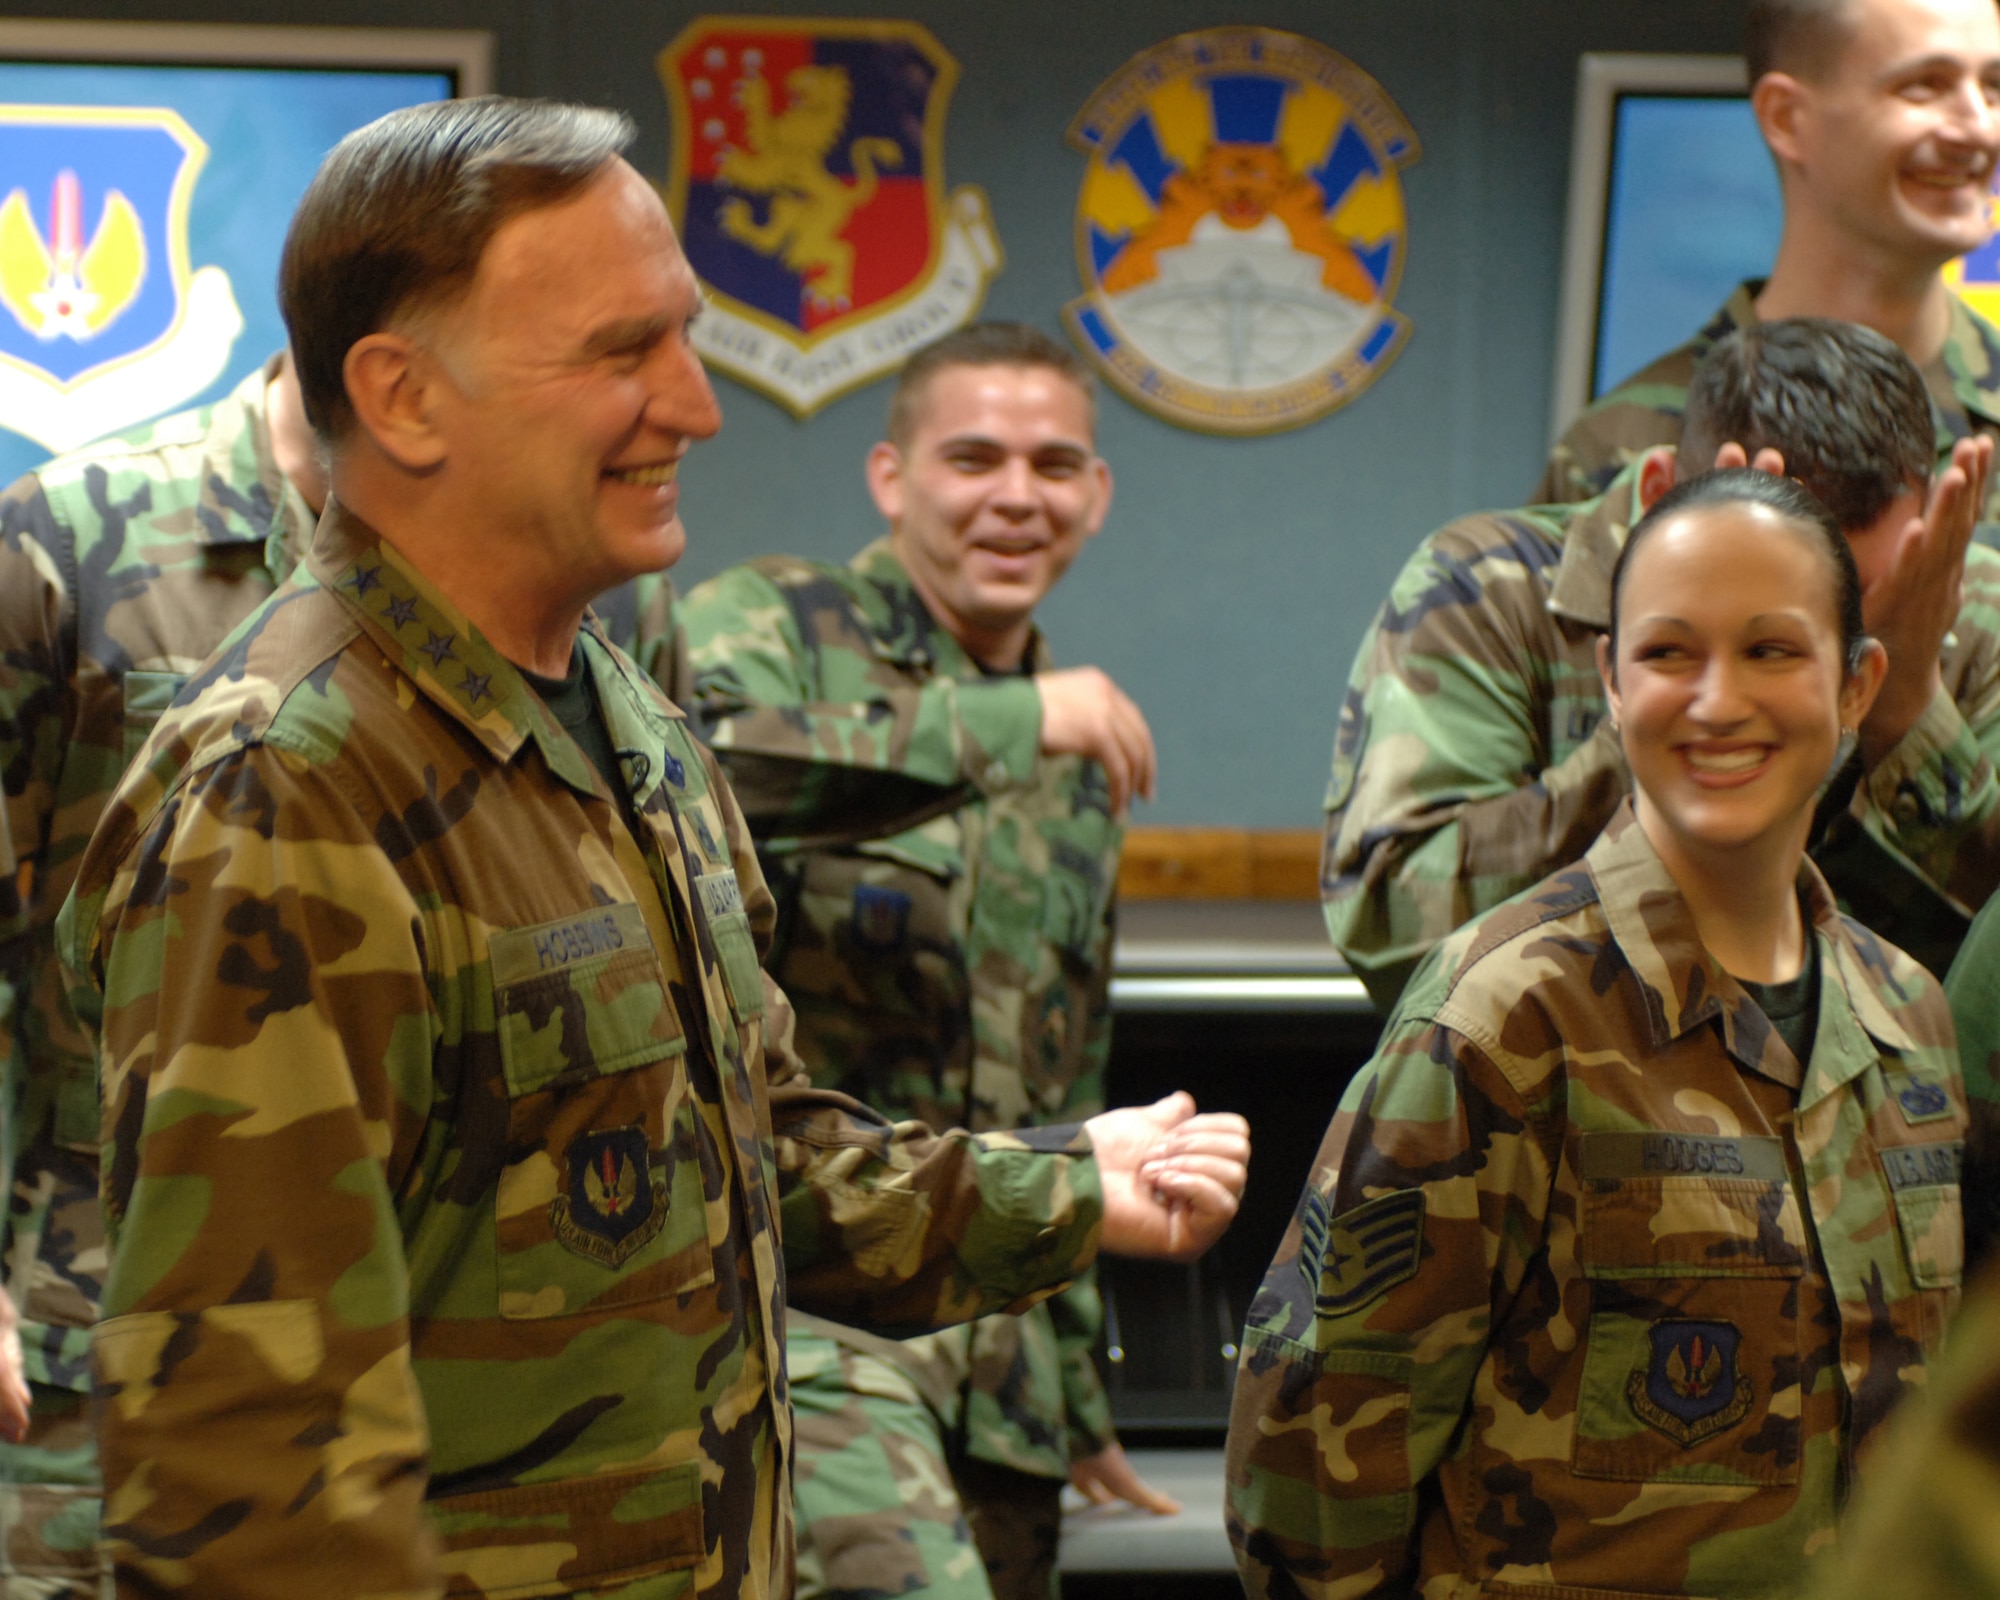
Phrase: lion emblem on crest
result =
(786, 160)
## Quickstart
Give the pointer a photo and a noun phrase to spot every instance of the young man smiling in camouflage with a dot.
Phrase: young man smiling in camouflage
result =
(938, 810)
(451, 1119)
(1883, 117)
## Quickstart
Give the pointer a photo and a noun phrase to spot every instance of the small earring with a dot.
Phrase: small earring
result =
(1612, 718)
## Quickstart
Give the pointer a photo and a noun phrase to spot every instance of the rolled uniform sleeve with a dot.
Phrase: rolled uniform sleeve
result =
(1423, 1209)
(807, 767)
(1444, 800)
(892, 1227)
(266, 1056)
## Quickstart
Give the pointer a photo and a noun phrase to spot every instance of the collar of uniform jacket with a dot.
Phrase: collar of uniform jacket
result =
(1687, 987)
(901, 628)
(1971, 347)
(1592, 535)
(451, 663)
(236, 449)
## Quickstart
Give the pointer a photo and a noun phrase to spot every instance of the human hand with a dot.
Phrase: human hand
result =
(1108, 1477)
(1085, 714)
(1734, 455)
(1172, 1179)
(1915, 602)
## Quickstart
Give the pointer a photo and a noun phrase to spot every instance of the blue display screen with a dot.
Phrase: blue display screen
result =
(1692, 210)
(96, 184)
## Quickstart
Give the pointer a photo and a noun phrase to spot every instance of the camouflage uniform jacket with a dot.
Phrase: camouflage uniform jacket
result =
(1473, 756)
(1595, 1288)
(956, 970)
(121, 566)
(1645, 410)
(450, 1125)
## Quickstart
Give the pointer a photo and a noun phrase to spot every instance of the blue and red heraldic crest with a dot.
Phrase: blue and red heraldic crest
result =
(1241, 230)
(808, 188)
(104, 324)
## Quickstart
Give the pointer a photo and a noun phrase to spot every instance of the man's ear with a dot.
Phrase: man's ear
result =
(1781, 103)
(1100, 469)
(1658, 468)
(885, 480)
(392, 384)
(1608, 675)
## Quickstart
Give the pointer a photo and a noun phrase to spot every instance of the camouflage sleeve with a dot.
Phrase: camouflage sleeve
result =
(36, 711)
(658, 644)
(1613, 432)
(1934, 799)
(1973, 988)
(875, 756)
(891, 1227)
(1427, 1201)
(1078, 1312)
(266, 1036)
(1921, 1525)
(1440, 804)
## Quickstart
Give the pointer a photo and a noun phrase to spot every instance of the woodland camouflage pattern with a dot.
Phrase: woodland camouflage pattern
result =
(1646, 409)
(122, 565)
(1922, 1524)
(451, 1122)
(1593, 1288)
(1473, 757)
(956, 970)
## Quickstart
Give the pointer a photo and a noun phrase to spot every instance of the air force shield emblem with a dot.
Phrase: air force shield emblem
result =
(808, 188)
(102, 323)
(1241, 230)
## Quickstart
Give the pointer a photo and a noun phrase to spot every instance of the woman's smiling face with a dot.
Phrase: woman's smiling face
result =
(1728, 680)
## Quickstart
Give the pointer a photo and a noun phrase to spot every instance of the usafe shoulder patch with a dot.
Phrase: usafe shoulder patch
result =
(1363, 1253)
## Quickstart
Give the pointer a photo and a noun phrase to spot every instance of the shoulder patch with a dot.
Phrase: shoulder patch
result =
(1362, 1253)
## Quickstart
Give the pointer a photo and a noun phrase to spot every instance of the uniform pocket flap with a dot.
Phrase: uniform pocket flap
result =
(1674, 1205)
(939, 852)
(572, 1535)
(579, 998)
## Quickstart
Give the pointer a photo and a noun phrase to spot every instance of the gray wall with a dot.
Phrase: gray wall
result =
(1235, 577)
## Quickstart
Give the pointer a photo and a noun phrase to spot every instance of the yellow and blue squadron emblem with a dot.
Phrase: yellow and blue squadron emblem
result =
(807, 186)
(103, 322)
(1241, 230)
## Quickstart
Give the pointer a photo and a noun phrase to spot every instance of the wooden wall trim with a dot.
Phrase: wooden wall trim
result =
(1220, 864)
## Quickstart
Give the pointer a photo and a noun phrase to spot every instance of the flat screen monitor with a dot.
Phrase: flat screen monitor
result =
(147, 176)
(1673, 201)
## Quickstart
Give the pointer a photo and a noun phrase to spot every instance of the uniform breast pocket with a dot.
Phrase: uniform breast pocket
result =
(1924, 1187)
(876, 932)
(601, 1202)
(147, 696)
(1693, 1248)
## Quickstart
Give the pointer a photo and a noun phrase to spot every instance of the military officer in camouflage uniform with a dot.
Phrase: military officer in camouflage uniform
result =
(937, 807)
(1881, 116)
(1472, 756)
(121, 565)
(449, 1117)
(1646, 1211)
